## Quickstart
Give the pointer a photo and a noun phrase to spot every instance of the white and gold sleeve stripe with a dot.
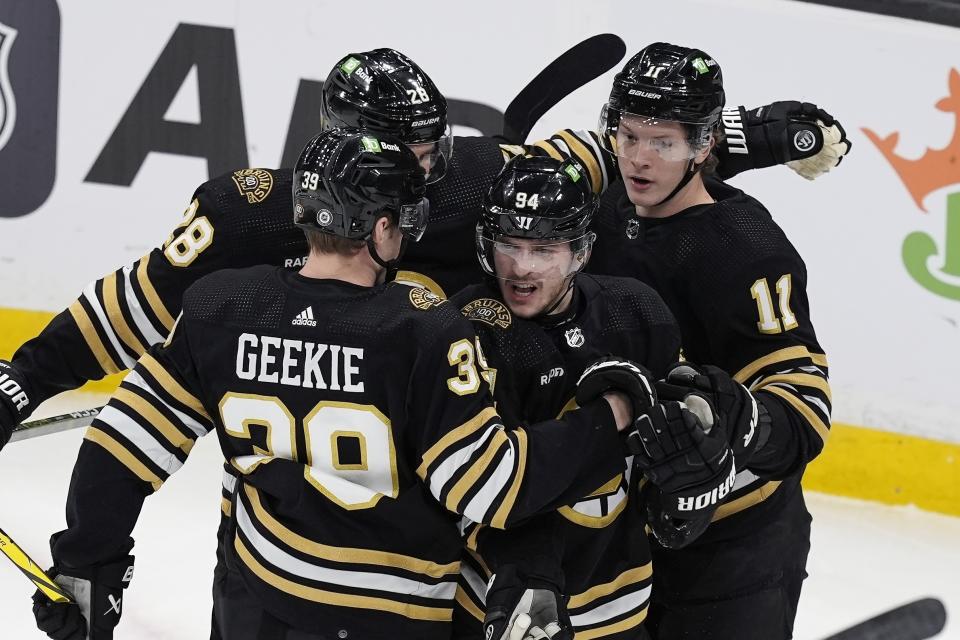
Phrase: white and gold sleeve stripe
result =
(136, 308)
(799, 377)
(612, 607)
(368, 580)
(107, 328)
(477, 469)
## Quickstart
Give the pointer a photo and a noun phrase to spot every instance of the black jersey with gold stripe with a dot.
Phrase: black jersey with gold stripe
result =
(358, 430)
(738, 289)
(245, 218)
(534, 367)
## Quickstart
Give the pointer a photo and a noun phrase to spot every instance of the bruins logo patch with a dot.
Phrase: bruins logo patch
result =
(255, 184)
(424, 298)
(488, 311)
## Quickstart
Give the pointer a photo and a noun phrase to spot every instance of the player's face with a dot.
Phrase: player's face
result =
(532, 273)
(426, 155)
(653, 158)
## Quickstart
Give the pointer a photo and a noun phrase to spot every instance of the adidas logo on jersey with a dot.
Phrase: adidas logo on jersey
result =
(305, 318)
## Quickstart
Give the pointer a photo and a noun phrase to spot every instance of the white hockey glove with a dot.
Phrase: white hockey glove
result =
(835, 147)
(524, 608)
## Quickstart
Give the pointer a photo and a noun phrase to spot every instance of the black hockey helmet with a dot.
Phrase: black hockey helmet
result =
(347, 178)
(666, 82)
(386, 92)
(537, 198)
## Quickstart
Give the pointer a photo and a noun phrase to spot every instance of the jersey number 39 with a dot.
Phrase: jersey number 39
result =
(350, 456)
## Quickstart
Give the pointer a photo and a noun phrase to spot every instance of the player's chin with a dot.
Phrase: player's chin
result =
(524, 299)
(526, 310)
(645, 195)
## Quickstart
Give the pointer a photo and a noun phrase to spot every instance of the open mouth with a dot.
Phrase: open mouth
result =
(523, 290)
(640, 183)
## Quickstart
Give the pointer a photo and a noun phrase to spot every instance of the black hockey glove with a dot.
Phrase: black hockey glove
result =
(617, 374)
(15, 403)
(97, 596)
(670, 532)
(732, 405)
(694, 470)
(800, 135)
(522, 607)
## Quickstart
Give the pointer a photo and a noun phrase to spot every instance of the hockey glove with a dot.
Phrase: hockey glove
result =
(799, 134)
(694, 470)
(731, 405)
(670, 532)
(97, 597)
(521, 607)
(617, 374)
(15, 403)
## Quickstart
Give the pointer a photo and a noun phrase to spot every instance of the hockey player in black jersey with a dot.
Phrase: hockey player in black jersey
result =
(242, 219)
(738, 290)
(354, 422)
(541, 324)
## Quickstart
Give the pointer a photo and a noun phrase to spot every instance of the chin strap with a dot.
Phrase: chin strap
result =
(544, 316)
(692, 169)
(389, 265)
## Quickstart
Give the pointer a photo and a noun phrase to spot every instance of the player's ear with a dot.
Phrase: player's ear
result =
(381, 229)
(704, 153)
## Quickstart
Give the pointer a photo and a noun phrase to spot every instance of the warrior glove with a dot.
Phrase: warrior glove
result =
(732, 407)
(15, 403)
(693, 469)
(617, 374)
(799, 134)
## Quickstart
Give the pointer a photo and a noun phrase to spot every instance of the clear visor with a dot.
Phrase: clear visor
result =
(413, 219)
(634, 136)
(519, 259)
(434, 156)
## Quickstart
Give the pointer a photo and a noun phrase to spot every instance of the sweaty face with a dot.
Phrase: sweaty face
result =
(653, 157)
(532, 274)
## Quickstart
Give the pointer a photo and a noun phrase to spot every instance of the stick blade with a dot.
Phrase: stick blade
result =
(917, 620)
(574, 68)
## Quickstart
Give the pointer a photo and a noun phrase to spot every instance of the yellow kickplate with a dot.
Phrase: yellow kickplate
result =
(19, 325)
(892, 468)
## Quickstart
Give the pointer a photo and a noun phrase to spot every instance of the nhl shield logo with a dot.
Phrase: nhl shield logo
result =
(574, 337)
(8, 102)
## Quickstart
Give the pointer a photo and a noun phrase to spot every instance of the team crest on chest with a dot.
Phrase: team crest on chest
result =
(254, 184)
(574, 337)
(424, 298)
(488, 311)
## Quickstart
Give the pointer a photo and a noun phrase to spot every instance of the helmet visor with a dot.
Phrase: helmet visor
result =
(412, 219)
(434, 156)
(633, 136)
(522, 259)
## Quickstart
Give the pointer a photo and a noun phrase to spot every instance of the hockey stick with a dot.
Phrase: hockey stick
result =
(576, 67)
(917, 620)
(30, 569)
(55, 424)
